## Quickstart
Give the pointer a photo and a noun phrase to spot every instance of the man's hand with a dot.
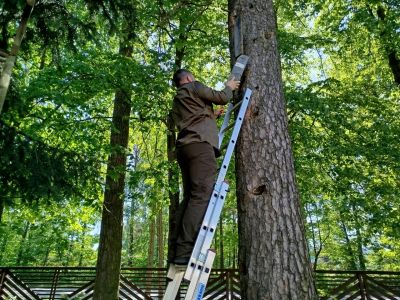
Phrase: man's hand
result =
(218, 112)
(232, 84)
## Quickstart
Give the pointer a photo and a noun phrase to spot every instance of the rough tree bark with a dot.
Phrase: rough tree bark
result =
(10, 59)
(109, 253)
(273, 256)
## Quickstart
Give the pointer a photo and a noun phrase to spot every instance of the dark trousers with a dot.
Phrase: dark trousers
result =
(199, 167)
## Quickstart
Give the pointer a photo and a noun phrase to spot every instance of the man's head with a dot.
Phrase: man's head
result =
(181, 77)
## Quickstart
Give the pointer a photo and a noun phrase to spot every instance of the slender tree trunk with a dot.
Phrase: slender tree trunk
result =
(234, 249)
(69, 251)
(160, 239)
(273, 256)
(131, 230)
(316, 243)
(46, 256)
(173, 184)
(359, 240)
(173, 174)
(221, 244)
(109, 253)
(22, 243)
(80, 262)
(360, 252)
(3, 248)
(10, 60)
(150, 257)
(353, 265)
(160, 248)
(1, 208)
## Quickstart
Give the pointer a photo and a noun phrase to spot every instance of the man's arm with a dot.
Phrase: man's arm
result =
(217, 97)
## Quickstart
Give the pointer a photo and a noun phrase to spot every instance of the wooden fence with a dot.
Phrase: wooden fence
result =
(149, 283)
(358, 285)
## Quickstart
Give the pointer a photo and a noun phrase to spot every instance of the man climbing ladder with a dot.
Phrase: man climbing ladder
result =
(197, 146)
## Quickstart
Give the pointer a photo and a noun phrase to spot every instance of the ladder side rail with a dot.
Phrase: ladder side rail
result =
(234, 136)
(225, 124)
(197, 286)
(198, 256)
(208, 238)
(218, 190)
(173, 286)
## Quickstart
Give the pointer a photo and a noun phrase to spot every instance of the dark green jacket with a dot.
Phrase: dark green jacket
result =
(193, 113)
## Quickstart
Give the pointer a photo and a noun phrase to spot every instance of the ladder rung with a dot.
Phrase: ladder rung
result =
(224, 147)
(236, 106)
(228, 127)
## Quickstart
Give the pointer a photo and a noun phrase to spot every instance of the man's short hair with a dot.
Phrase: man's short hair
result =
(179, 75)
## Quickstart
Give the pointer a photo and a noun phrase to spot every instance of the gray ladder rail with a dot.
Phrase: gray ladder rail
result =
(235, 133)
(225, 125)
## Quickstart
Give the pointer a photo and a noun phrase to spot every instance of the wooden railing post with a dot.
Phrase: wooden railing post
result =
(54, 284)
(3, 276)
(361, 284)
(227, 282)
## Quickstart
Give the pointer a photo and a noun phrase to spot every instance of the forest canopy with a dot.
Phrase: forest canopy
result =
(341, 73)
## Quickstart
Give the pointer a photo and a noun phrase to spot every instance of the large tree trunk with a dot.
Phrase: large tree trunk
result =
(109, 254)
(273, 257)
(10, 59)
(394, 63)
(393, 58)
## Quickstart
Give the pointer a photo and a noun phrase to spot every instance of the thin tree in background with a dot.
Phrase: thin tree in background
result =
(9, 63)
(273, 257)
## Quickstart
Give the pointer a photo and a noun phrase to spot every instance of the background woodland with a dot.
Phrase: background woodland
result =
(341, 74)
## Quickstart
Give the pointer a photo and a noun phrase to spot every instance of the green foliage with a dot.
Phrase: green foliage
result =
(344, 125)
(53, 235)
(343, 107)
